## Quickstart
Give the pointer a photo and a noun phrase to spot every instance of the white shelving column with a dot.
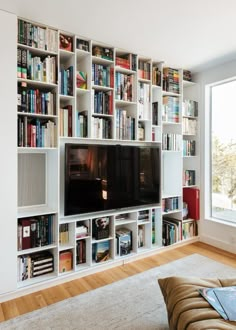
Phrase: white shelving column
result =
(8, 164)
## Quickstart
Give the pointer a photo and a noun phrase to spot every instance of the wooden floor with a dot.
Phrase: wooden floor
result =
(30, 302)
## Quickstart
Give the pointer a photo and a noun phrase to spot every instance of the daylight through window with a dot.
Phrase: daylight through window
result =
(223, 151)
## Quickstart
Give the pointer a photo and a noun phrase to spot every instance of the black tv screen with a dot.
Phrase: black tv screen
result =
(107, 177)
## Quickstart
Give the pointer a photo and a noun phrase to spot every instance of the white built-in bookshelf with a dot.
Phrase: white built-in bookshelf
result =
(72, 89)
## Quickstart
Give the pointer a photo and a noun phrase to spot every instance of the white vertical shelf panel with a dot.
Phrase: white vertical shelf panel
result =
(171, 174)
(8, 141)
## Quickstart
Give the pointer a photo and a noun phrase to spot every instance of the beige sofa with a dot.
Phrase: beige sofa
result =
(187, 309)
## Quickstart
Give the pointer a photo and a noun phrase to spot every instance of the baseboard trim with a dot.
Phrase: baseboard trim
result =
(218, 243)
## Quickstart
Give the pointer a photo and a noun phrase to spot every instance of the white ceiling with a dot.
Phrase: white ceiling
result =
(190, 34)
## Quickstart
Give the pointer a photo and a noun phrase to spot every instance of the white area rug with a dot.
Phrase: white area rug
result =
(133, 303)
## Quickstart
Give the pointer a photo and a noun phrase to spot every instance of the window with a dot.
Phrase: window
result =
(223, 151)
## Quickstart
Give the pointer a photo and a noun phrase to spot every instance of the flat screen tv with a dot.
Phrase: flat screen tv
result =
(108, 177)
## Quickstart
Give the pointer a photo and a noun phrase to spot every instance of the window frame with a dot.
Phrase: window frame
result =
(208, 152)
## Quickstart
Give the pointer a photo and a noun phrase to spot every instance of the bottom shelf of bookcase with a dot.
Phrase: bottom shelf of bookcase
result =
(36, 280)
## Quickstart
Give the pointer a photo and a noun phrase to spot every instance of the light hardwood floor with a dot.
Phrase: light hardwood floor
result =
(42, 298)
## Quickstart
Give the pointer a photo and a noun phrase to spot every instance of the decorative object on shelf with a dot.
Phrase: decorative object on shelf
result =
(66, 42)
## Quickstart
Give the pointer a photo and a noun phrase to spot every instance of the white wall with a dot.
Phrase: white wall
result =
(215, 233)
(8, 160)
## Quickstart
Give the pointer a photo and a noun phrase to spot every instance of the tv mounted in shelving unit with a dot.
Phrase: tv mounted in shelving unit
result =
(108, 177)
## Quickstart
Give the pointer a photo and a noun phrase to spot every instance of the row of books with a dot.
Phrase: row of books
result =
(64, 233)
(143, 100)
(170, 109)
(35, 101)
(170, 204)
(35, 232)
(36, 133)
(125, 125)
(171, 141)
(127, 61)
(189, 228)
(102, 75)
(33, 265)
(189, 148)
(189, 126)
(155, 120)
(144, 69)
(82, 124)
(171, 231)
(37, 37)
(190, 108)
(66, 80)
(34, 67)
(101, 128)
(81, 252)
(103, 102)
(65, 121)
(156, 76)
(171, 79)
(124, 87)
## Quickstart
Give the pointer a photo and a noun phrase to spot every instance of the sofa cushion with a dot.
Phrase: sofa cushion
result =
(187, 309)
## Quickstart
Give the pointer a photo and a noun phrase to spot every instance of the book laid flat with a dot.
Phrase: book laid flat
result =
(222, 299)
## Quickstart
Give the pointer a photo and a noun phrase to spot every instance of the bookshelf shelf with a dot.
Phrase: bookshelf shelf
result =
(38, 83)
(35, 50)
(102, 88)
(99, 60)
(37, 249)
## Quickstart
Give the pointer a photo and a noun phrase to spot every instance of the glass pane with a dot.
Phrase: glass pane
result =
(223, 136)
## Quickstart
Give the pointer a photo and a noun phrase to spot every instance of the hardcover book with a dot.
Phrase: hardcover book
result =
(101, 228)
(101, 251)
(65, 261)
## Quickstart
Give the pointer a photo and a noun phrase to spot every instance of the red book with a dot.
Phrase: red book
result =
(26, 238)
(191, 196)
